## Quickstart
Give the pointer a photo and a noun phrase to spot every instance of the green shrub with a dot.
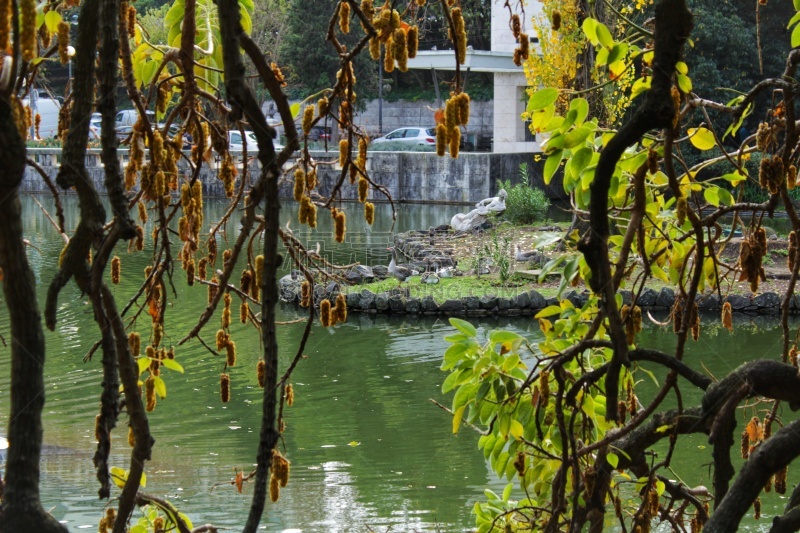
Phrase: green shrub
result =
(525, 204)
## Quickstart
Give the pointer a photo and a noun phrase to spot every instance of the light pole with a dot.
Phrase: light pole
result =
(70, 55)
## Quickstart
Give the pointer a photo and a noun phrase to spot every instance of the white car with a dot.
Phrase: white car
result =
(236, 143)
(408, 137)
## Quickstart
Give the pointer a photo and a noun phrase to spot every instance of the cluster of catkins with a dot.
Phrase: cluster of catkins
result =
(400, 41)
(456, 113)
(694, 316)
(771, 173)
(522, 51)
(279, 476)
(108, 520)
(750, 256)
(633, 322)
(330, 315)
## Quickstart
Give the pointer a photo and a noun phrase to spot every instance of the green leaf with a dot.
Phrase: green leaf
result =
(711, 194)
(542, 117)
(794, 20)
(701, 138)
(457, 418)
(685, 83)
(450, 382)
(295, 109)
(551, 165)
(576, 137)
(542, 98)
(247, 24)
(144, 364)
(138, 528)
(516, 429)
(149, 70)
(464, 327)
(589, 27)
(613, 459)
(172, 364)
(580, 160)
(51, 20)
(617, 53)
(174, 15)
(604, 36)
(160, 387)
(660, 486)
(501, 336)
(734, 177)
(640, 85)
(507, 492)
(581, 107)
(796, 4)
(550, 310)
(247, 4)
(725, 197)
(186, 520)
(681, 67)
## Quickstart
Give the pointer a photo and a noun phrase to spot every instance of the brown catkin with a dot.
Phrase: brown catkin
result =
(230, 353)
(340, 309)
(780, 480)
(289, 395)
(134, 343)
(261, 369)
(339, 225)
(400, 49)
(680, 210)
(224, 388)
(441, 139)
(745, 445)
(311, 179)
(325, 313)
(274, 488)
(757, 509)
(455, 142)
(115, 270)
(150, 393)
(131, 22)
(5, 23)
(201, 268)
(244, 312)
(28, 29)
(344, 151)
(190, 272)
(308, 118)
(221, 338)
(305, 294)
(727, 316)
(131, 437)
(412, 42)
(516, 25)
(142, 212)
(63, 42)
(374, 48)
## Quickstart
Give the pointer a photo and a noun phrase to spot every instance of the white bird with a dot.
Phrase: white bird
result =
(400, 272)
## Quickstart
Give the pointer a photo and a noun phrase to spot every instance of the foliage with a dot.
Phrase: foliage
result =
(525, 204)
(563, 419)
(500, 252)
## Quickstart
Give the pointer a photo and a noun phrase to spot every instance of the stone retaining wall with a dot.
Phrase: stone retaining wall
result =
(528, 303)
(410, 177)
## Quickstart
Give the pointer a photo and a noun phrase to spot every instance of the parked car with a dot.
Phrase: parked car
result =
(95, 126)
(48, 110)
(128, 117)
(236, 143)
(319, 134)
(407, 137)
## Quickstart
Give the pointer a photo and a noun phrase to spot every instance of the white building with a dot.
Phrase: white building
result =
(510, 132)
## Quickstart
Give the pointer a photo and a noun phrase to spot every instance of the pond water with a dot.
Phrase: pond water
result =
(369, 451)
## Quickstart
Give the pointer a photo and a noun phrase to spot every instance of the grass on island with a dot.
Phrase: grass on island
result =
(459, 287)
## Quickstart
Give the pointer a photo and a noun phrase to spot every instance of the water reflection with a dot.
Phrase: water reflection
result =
(369, 450)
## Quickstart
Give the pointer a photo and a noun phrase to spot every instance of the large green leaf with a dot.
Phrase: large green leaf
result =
(542, 98)
(702, 138)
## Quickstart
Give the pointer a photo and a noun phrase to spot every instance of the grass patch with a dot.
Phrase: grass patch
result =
(458, 287)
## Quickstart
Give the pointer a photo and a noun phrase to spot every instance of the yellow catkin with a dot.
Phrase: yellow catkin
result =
(190, 272)
(230, 353)
(274, 489)
(221, 338)
(28, 29)
(369, 212)
(374, 48)
(305, 294)
(323, 105)
(311, 179)
(325, 313)
(225, 388)
(5, 24)
(289, 395)
(455, 142)
(259, 270)
(363, 189)
(344, 17)
(308, 118)
(299, 184)
(412, 42)
(158, 333)
(115, 270)
(261, 369)
(400, 49)
(131, 437)
(463, 101)
(339, 225)
(441, 139)
(226, 311)
(388, 56)
(63, 42)
(680, 210)
(344, 151)
(244, 312)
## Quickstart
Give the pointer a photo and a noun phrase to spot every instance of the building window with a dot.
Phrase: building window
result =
(529, 136)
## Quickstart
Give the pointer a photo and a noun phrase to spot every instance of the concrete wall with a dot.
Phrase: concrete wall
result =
(410, 177)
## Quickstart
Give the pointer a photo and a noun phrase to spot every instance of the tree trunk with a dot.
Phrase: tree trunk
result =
(21, 509)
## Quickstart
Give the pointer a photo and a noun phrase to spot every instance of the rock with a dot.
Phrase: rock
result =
(647, 298)
(288, 288)
(353, 299)
(380, 271)
(359, 274)
(665, 298)
(626, 297)
(767, 301)
(488, 301)
(521, 301)
(551, 301)
(382, 301)
(429, 305)
(708, 302)
(397, 304)
(366, 300)
(413, 306)
(503, 304)
(537, 300)
(471, 302)
(452, 306)
(738, 302)
(576, 298)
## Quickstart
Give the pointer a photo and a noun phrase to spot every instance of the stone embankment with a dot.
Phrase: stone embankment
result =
(511, 302)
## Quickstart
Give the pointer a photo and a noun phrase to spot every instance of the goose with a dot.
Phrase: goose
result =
(429, 278)
(400, 272)
(525, 255)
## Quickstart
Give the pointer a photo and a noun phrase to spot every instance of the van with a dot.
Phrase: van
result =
(128, 117)
(48, 110)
